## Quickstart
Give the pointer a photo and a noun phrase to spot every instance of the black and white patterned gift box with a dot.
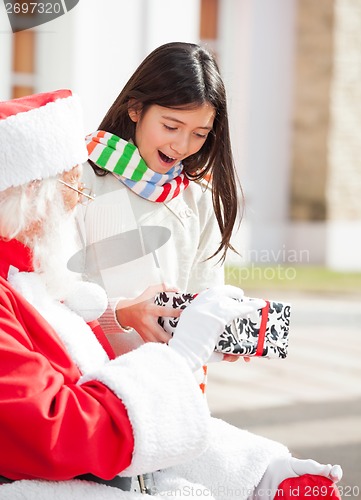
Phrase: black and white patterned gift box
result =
(263, 333)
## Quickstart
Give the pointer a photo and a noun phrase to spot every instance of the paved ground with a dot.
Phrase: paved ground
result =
(311, 401)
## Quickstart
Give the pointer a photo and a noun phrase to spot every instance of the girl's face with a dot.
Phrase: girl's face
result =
(165, 136)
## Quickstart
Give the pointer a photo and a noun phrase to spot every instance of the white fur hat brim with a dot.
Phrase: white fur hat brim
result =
(41, 142)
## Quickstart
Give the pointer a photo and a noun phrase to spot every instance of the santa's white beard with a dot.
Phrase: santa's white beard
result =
(51, 251)
(52, 246)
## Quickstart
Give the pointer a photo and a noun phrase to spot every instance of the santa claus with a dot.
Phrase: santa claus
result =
(75, 421)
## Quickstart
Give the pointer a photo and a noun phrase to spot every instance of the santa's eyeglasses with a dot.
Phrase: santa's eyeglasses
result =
(85, 194)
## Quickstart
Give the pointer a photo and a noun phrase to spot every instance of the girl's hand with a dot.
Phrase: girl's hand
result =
(142, 314)
(231, 358)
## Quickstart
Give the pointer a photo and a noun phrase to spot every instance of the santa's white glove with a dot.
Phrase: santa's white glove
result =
(288, 467)
(203, 321)
(300, 467)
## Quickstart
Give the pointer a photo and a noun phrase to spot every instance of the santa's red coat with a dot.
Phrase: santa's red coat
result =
(54, 425)
(66, 409)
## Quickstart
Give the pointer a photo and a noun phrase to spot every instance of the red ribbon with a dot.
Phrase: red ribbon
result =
(262, 329)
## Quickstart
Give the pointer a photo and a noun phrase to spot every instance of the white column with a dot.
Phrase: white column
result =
(256, 50)
(235, 60)
(171, 21)
(54, 52)
(6, 38)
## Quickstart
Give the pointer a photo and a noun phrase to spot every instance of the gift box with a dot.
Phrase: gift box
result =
(263, 333)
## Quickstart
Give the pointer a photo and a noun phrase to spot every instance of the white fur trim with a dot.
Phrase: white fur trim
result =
(80, 490)
(63, 490)
(88, 300)
(168, 413)
(177, 487)
(79, 340)
(233, 464)
(42, 142)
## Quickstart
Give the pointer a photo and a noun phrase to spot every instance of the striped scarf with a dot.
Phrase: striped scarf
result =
(122, 158)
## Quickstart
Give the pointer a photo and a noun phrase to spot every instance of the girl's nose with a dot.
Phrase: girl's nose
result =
(180, 145)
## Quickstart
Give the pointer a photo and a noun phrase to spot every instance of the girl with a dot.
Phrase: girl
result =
(156, 218)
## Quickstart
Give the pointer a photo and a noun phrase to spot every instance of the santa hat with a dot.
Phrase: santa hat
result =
(41, 135)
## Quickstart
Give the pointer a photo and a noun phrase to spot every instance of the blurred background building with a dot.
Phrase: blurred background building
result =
(292, 70)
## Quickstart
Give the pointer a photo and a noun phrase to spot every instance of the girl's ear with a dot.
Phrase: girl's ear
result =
(134, 110)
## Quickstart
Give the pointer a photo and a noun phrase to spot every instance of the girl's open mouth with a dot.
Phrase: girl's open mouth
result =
(165, 158)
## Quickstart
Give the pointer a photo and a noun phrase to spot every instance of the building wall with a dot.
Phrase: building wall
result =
(344, 175)
(325, 208)
(313, 68)
(283, 63)
(294, 96)
(311, 116)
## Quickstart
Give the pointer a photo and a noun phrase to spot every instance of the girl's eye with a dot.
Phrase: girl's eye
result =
(169, 128)
(202, 136)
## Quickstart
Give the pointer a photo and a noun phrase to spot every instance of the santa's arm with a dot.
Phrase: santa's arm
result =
(55, 426)
(167, 411)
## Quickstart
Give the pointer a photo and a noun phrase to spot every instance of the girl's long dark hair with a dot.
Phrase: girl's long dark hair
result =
(185, 75)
